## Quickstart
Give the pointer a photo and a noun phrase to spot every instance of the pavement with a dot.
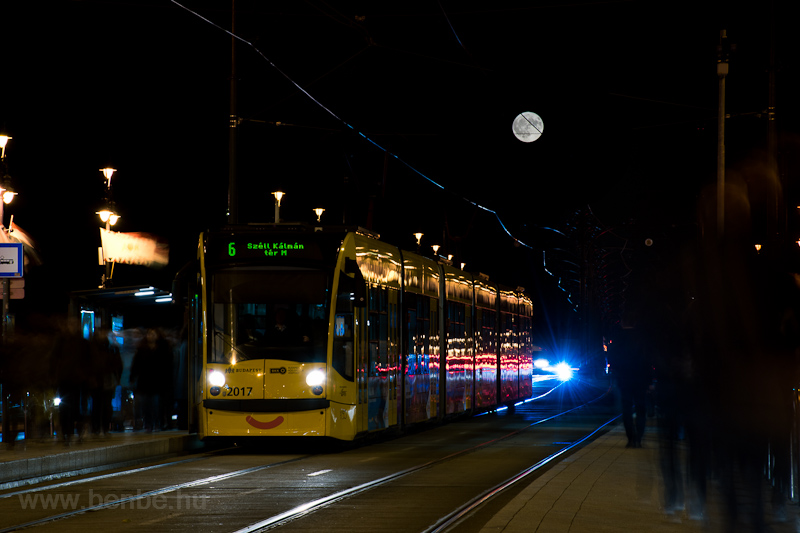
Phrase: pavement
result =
(602, 487)
(607, 487)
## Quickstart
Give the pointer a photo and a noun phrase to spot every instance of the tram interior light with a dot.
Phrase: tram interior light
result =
(216, 378)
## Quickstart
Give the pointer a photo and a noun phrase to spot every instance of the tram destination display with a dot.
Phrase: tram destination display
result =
(244, 247)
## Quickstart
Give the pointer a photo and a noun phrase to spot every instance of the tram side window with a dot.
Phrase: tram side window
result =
(424, 326)
(343, 361)
(418, 342)
(508, 341)
(525, 335)
(487, 332)
(413, 335)
(456, 329)
(378, 332)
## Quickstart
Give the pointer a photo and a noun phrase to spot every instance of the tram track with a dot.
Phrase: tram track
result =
(447, 521)
(90, 479)
(352, 483)
(453, 519)
(116, 502)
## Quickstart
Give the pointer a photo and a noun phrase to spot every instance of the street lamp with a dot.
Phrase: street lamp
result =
(418, 235)
(3, 141)
(6, 192)
(318, 211)
(278, 195)
(107, 173)
(7, 195)
(109, 217)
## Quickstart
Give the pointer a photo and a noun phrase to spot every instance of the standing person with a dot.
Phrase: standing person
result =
(629, 364)
(664, 330)
(152, 353)
(72, 361)
(747, 310)
(107, 364)
(14, 379)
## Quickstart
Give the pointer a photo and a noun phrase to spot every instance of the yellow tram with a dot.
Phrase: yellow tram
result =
(298, 330)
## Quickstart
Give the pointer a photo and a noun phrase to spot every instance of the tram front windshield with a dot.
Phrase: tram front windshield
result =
(269, 314)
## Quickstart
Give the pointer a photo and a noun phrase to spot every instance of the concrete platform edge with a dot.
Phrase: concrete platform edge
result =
(77, 461)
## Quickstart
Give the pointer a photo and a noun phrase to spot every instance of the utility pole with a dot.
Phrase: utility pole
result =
(723, 53)
(778, 217)
(233, 127)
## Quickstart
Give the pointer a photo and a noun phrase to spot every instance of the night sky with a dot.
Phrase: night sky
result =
(406, 125)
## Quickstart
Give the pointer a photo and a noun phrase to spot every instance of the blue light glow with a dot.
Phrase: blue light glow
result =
(563, 371)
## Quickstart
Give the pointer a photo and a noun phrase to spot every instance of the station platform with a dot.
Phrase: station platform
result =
(607, 487)
(35, 460)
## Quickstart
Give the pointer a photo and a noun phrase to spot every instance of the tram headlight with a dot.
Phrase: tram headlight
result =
(216, 378)
(315, 378)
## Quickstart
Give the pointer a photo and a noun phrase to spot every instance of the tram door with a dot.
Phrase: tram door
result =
(362, 362)
(383, 358)
(395, 397)
(195, 366)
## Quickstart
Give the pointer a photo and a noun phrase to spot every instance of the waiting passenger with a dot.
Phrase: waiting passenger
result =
(152, 372)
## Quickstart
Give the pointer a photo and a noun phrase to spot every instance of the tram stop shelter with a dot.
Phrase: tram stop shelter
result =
(118, 308)
(127, 312)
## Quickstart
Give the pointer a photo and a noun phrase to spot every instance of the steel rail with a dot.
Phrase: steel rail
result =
(43, 479)
(292, 514)
(455, 517)
(315, 505)
(149, 494)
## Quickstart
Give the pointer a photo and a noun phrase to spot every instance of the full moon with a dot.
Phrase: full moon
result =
(528, 127)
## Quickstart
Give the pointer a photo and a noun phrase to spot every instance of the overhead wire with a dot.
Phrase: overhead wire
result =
(350, 126)
(452, 28)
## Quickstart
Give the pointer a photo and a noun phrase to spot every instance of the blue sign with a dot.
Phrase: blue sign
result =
(11, 260)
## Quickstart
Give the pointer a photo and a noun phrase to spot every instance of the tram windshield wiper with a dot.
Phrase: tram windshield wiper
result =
(240, 355)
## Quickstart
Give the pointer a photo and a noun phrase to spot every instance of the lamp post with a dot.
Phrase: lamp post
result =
(6, 427)
(723, 51)
(7, 196)
(5, 188)
(278, 195)
(418, 235)
(3, 141)
(109, 217)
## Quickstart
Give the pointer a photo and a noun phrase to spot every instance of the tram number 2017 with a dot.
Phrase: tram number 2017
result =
(239, 391)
